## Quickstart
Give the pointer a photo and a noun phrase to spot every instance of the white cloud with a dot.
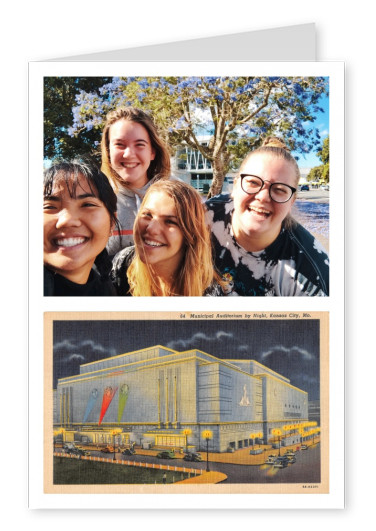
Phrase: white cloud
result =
(191, 342)
(75, 357)
(294, 350)
(86, 344)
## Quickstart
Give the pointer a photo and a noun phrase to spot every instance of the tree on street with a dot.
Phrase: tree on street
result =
(236, 113)
(321, 173)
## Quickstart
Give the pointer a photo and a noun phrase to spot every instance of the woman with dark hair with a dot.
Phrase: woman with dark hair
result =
(172, 253)
(259, 248)
(79, 214)
(133, 157)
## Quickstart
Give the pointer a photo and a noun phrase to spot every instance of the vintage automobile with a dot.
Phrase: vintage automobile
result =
(69, 446)
(304, 447)
(192, 456)
(270, 460)
(166, 454)
(281, 462)
(77, 451)
(129, 451)
(108, 450)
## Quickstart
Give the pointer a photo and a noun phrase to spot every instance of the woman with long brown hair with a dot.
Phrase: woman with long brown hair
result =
(172, 255)
(134, 156)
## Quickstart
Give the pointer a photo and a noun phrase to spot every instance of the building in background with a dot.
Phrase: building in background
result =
(159, 397)
(189, 165)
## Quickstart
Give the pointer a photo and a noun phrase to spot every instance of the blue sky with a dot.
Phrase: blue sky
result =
(322, 123)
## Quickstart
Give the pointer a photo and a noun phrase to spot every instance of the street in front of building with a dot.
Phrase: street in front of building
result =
(238, 467)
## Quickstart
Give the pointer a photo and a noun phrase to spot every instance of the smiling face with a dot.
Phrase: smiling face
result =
(76, 230)
(257, 220)
(158, 236)
(131, 152)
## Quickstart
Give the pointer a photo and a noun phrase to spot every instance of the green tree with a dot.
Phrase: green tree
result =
(59, 98)
(321, 173)
(235, 111)
(315, 174)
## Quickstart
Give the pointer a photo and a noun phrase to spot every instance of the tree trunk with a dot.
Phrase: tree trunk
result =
(220, 167)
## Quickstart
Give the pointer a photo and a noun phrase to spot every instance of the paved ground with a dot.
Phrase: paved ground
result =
(317, 196)
(206, 477)
(239, 457)
(311, 209)
(237, 467)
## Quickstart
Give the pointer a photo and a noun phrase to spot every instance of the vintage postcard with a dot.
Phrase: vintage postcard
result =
(187, 402)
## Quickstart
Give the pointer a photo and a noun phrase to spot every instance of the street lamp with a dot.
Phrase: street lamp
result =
(277, 433)
(207, 434)
(187, 432)
(115, 432)
(253, 437)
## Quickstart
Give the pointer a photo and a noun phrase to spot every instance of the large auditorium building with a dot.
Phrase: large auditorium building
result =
(160, 397)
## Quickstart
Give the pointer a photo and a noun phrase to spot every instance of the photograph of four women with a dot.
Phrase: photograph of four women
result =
(131, 228)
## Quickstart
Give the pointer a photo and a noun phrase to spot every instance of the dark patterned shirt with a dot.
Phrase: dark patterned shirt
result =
(295, 264)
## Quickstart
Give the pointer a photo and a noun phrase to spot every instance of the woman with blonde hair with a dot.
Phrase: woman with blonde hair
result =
(172, 253)
(134, 156)
(259, 247)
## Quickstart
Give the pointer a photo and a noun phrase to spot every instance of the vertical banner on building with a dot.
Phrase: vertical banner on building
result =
(90, 404)
(123, 397)
(108, 395)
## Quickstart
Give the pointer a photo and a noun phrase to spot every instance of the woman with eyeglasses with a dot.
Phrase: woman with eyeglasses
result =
(259, 248)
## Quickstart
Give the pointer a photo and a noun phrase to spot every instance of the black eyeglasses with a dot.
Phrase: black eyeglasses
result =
(278, 192)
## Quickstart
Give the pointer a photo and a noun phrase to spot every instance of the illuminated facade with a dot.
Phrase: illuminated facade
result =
(161, 397)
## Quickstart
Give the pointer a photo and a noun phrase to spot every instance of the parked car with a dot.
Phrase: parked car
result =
(291, 458)
(281, 462)
(304, 447)
(84, 452)
(78, 451)
(72, 451)
(107, 450)
(192, 456)
(129, 451)
(69, 446)
(166, 454)
(289, 452)
(304, 188)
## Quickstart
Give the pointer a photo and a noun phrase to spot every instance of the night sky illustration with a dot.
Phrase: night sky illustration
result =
(289, 347)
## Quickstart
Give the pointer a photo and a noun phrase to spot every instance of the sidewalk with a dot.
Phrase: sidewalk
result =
(206, 477)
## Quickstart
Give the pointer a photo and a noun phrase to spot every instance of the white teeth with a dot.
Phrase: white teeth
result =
(260, 211)
(153, 244)
(130, 165)
(69, 242)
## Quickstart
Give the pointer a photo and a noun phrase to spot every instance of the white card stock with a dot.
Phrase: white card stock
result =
(285, 52)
